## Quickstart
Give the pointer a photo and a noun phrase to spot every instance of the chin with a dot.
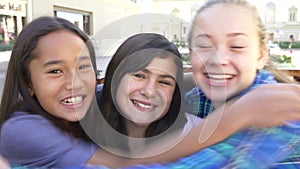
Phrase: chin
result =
(142, 124)
(77, 116)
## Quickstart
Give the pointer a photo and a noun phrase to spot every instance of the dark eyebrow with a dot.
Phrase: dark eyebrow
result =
(52, 62)
(55, 62)
(162, 76)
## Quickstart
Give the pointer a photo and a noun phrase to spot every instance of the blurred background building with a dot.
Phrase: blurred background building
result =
(110, 21)
(280, 17)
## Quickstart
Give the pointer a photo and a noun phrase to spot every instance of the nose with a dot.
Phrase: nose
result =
(73, 81)
(148, 88)
(220, 57)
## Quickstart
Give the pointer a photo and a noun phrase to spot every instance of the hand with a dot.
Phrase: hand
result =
(3, 163)
(271, 105)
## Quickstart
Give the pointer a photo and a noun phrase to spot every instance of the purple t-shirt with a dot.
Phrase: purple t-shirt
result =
(33, 141)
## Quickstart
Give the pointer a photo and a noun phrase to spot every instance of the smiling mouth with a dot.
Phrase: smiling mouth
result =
(143, 105)
(219, 78)
(72, 100)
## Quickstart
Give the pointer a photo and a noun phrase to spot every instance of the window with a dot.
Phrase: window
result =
(293, 14)
(80, 19)
(9, 28)
(270, 12)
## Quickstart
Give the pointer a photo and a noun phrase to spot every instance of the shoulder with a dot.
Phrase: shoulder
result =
(191, 120)
(24, 122)
(192, 92)
(26, 130)
(194, 95)
(33, 140)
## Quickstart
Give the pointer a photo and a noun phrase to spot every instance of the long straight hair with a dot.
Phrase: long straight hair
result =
(132, 56)
(16, 96)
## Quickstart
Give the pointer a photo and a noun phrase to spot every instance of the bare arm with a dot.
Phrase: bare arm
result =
(266, 106)
(105, 158)
(281, 102)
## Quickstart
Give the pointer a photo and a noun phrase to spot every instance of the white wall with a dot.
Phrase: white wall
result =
(103, 11)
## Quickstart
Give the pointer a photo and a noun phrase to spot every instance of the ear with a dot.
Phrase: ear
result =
(263, 59)
(30, 90)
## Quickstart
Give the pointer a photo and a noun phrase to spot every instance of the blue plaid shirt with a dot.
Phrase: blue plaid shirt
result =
(277, 147)
(272, 148)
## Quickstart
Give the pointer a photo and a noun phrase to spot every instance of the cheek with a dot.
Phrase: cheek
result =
(41, 84)
(47, 99)
(132, 85)
(90, 80)
(43, 88)
(196, 61)
(168, 96)
(248, 68)
(123, 91)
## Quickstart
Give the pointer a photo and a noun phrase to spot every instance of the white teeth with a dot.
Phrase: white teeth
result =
(72, 100)
(222, 81)
(219, 76)
(143, 105)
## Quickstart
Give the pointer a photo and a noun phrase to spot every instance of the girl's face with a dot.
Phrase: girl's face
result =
(145, 96)
(225, 51)
(62, 76)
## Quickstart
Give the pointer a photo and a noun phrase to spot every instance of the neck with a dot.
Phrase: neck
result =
(136, 131)
(218, 103)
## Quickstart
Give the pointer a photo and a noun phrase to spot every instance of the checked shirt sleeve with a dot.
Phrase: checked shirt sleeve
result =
(197, 103)
(266, 148)
(259, 149)
(246, 149)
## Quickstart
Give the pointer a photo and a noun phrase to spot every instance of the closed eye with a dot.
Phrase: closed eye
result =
(84, 66)
(205, 46)
(237, 47)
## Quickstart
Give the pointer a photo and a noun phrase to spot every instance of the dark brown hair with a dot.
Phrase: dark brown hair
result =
(134, 55)
(16, 96)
